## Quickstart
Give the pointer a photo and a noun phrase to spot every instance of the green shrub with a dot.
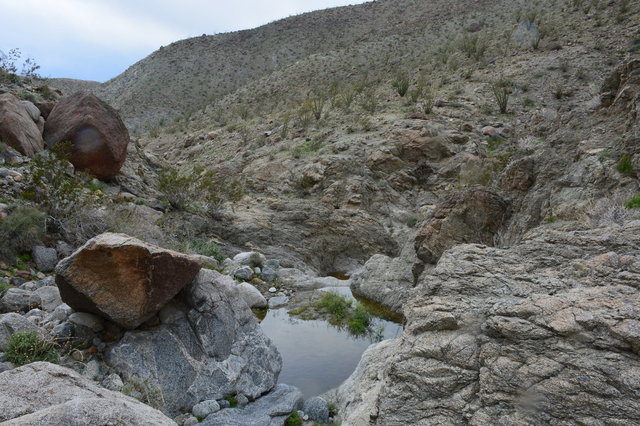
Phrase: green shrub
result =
(23, 228)
(625, 165)
(634, 202)
(233, 402)
(24, 348)
(474, 46)
(369, 100)
(428, 101)
(52, 184)
(401, 83)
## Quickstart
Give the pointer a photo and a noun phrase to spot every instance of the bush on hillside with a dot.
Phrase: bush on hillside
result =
(23, 228)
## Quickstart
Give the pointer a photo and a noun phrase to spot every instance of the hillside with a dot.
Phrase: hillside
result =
(470, 167)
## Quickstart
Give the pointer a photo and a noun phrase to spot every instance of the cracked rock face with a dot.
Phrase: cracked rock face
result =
(208, 346)
(545, 332)
(122, 278)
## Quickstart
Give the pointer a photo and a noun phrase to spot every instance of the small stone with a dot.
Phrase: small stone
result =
(45, 258)
(317, 409)
(268, 274)
(113, 382)
(92, 370)
(272, 263)
(273, 290)
(223, 403)
(278, 301)
(245, 273)
(242, 400)
(190, 421)
(204, 408)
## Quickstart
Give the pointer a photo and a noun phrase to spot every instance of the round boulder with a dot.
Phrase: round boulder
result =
(97, 135)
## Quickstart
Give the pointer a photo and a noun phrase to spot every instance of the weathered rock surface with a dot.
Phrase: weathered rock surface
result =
(213, 349)
(19, 300)
(545, 332)
(45, 258)
(270, 410)
(17, 128)
(46, 394)
(98, 136)
(384, 280)
(123, 279)
(472, 216)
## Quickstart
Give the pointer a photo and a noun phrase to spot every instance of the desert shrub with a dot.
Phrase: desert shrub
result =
(23, 228)
(53, 185)
(24, 348)
(206, 248)
(609, 211)
(427, 101)
(625, 165)
(501, 89)
(473, 46)
(198, 189)
(401, 83)
(369, 100)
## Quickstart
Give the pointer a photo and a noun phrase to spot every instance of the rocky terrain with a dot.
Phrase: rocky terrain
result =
(470, 165)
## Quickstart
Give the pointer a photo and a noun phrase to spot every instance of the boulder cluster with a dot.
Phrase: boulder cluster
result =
(96, 135)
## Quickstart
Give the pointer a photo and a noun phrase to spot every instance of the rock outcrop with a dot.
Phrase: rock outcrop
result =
(97, 135)
(46, 394)
(545, 332)
(472, 216)
(123, 279)
(18, 128)
(208, 346)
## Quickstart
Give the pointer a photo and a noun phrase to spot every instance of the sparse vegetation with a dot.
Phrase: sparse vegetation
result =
(634, 202)
(24, 348)
(625, 165)
(23, 228)
(501, 89)
(401, 83)
(342, 313)
(294, 419)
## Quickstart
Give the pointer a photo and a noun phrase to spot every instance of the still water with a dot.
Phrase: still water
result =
(317, 356)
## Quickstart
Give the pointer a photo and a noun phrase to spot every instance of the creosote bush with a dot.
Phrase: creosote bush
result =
(24, 348)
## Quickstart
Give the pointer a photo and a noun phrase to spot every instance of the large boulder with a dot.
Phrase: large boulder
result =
(123, 279)
(472, 216)
(208, 346)
(97, 135)
(17, 127)
(544, 332)
(46, 394)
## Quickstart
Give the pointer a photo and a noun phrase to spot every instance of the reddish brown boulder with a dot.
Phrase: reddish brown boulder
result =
(17, 127)
(123, 279)
(98, 136)
(472, 216)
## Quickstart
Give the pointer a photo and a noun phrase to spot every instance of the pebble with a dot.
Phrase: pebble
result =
(273, 290)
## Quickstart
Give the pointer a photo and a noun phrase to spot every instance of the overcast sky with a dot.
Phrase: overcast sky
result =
(99, 39)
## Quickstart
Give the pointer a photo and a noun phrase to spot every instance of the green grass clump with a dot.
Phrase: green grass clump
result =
(294, 419)
(359, 320)
(336, 305)
(233, 402)
(625, 165)
(634, 202)
(24, 348)
(206, 248)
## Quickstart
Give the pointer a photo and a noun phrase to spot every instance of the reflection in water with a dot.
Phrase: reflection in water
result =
(317, 356)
